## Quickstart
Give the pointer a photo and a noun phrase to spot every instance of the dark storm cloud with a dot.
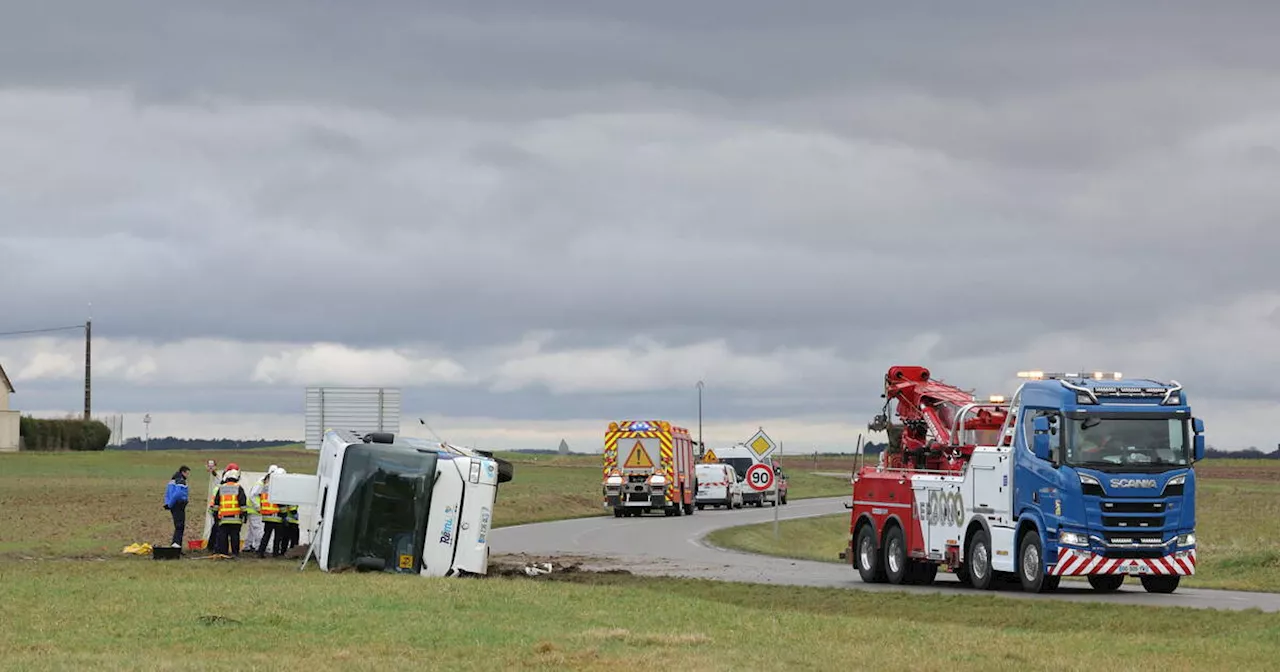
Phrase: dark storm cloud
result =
(824, 174)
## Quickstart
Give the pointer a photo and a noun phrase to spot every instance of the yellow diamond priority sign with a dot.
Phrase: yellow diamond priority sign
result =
(761, 444)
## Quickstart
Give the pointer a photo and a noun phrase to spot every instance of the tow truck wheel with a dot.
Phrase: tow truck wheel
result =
(1161, 584)
(869, 566)
(1030, 563)
(896, 565)
(979, 561)
(617, 512)
(1106, 583)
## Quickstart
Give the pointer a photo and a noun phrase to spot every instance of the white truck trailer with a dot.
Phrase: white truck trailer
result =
(397, 504)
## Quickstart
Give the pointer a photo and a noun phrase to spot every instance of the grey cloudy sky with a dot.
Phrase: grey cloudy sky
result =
(539, 217)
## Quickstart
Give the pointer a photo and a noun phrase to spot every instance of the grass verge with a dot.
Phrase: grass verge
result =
(1238, 532)
(140, 613)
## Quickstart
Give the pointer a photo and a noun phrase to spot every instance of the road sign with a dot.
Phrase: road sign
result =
(710, 457)
(760, 477)
(761, 444)
(639, 458)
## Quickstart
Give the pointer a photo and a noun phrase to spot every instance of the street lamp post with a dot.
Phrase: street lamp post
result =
(702, 447)
(146, 422)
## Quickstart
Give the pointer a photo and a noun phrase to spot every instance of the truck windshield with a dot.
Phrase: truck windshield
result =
(1127, 443)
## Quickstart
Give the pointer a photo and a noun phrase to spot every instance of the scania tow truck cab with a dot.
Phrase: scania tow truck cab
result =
(1103, 476)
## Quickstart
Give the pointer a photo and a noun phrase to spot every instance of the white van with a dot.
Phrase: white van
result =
(741, 458)
(718, 485)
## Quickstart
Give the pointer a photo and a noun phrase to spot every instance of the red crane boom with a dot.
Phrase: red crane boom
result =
(941, 423)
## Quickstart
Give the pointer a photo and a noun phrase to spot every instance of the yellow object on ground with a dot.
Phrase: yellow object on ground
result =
(137, 549)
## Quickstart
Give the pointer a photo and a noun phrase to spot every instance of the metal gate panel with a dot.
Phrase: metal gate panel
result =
(358, 409)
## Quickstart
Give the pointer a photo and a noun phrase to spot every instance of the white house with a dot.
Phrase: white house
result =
(9, 420)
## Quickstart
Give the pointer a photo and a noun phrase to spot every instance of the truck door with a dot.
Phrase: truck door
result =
(1037, 485)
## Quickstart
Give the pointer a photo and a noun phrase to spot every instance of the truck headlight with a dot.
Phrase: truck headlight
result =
(1180, 479)
(1086, 479)
(657, 479)
(1188, 539)
(613, 480)
(474, 476)
(1073, 539)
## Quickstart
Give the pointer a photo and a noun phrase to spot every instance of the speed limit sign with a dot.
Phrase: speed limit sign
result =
(760, 477)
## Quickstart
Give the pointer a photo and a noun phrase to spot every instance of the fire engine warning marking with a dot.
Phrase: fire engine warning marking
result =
(639, 458)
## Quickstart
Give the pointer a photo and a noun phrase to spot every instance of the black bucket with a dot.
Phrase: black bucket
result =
(165, 553)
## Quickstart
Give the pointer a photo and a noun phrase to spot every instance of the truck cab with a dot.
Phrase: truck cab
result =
(1102, 483)
(396, 504)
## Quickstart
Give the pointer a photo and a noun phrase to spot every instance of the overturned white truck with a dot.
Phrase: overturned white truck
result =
(398, 504)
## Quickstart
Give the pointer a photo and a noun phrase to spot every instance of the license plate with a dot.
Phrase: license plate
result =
(1136, 569)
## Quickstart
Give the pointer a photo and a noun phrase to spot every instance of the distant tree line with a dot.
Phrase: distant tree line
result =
(54, 434)
(1250, 453)
(175, 443)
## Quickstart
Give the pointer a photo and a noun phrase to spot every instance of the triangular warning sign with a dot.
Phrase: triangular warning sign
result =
(639, 458)
(710, 456)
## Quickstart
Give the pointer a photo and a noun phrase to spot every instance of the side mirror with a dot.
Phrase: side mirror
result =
(1040, 442)
(1197, 442)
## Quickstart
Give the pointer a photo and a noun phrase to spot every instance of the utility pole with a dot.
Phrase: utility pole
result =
(88, 339)
(702, 447)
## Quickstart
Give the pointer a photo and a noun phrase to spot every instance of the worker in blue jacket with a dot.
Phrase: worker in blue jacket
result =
(175, 501)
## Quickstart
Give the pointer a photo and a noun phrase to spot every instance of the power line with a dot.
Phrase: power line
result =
(40, 331)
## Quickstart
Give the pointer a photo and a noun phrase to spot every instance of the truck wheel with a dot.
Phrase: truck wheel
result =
(978, 560)
(896, 564)
(1031, 562)
(1106, 583)
(870, 570)
(1161, 584)
(1051, 583)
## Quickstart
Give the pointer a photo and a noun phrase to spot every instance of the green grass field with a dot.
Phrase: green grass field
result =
(107, 500)
(76, 602)
(1238, 530)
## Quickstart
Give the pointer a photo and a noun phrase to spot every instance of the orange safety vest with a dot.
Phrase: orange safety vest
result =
(269, 511)
(229, 501)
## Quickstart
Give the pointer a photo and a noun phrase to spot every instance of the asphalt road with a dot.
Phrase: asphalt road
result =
(657, 545)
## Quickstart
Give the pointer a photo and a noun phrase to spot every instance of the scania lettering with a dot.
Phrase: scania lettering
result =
(1079, 474)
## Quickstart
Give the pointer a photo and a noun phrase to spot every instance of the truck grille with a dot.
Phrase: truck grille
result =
(1133, 507)
(1136, 522)
(1135, 529)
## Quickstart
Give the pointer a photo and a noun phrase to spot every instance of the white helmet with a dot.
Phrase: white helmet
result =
(233, 474)
(280, 470)
(272, 469)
